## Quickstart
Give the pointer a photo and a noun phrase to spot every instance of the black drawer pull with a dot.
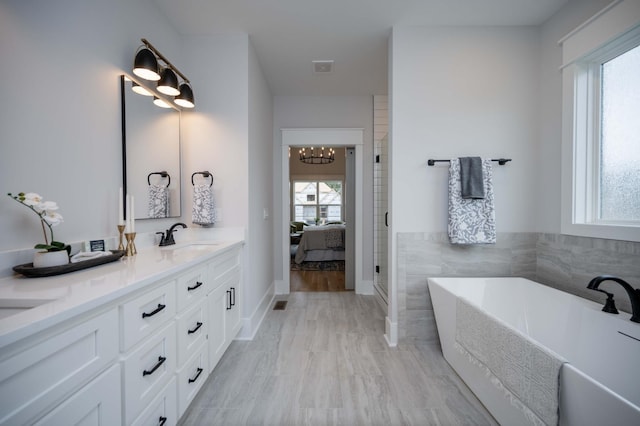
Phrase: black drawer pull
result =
(199, 371)
(155, 311)
(198, 284)
(161, 361)
(162, 421)
(228, 300)
(198, 325)
(233, 293)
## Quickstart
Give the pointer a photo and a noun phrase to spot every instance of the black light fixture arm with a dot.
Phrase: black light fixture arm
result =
(165, 60)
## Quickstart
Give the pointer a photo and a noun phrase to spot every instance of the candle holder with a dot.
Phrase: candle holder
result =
(121, 231)
(131, 246)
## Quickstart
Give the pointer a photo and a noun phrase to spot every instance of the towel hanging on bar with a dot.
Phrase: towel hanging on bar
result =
(471, 221)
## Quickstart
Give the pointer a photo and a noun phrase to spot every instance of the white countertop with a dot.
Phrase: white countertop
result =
(75, 293)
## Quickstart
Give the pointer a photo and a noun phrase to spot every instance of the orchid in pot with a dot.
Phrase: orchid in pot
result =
(47, 212)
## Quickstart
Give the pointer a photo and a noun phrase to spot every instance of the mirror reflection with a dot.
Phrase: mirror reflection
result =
(151, 154)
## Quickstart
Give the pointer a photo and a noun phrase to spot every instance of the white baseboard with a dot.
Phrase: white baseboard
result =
(281, 287)
(391, 332)
(365, 287)
(250, 325)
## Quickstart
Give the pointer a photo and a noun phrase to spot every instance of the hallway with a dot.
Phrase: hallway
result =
(324, 361)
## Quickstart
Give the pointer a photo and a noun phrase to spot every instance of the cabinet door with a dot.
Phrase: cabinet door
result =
(98, 403)
(233, 319)
(218, 301)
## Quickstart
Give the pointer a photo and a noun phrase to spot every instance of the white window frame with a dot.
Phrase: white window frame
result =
(606, 36)
(316, 178)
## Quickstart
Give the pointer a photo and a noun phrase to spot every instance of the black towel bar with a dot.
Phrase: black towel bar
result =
(500, 161)
(162, 174)
(205, 174)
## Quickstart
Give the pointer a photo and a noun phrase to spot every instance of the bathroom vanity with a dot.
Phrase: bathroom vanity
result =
(129, 342)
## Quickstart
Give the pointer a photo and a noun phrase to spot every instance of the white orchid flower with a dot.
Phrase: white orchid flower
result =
(32, 199)
(52, 218)
(48, 206)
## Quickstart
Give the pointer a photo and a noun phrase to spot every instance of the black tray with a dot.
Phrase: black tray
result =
(28, 270)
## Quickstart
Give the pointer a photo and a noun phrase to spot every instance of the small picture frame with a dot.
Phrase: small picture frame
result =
(96, 245)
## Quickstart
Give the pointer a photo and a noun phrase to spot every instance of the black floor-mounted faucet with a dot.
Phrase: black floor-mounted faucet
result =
(167, 240)
(634, 295)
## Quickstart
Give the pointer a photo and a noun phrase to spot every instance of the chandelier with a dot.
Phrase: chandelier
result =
(317, 156)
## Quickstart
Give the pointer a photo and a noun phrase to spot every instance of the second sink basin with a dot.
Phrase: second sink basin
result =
(9, 307)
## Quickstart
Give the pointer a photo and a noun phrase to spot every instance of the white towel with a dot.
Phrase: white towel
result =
(471, 221)
(204, 213)
(88, 255)
(158, 201)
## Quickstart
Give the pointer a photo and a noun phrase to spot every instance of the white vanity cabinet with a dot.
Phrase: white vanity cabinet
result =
(139, 358)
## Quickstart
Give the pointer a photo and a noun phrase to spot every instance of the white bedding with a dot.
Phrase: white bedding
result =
(328, 239)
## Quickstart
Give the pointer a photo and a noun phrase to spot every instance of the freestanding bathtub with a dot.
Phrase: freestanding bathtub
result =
(600, 381)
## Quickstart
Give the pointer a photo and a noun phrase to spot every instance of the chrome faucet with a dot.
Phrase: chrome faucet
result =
(634, 295)
(167, 240)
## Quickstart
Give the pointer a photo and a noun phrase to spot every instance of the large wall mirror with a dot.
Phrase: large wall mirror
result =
(151, 154)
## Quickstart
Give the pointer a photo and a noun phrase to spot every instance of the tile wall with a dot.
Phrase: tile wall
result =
(560, 261)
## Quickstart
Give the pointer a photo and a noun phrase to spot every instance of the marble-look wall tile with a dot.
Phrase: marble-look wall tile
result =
(568, 263)
(564, 262)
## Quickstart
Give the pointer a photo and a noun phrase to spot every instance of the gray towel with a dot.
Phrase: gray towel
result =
(471, 180)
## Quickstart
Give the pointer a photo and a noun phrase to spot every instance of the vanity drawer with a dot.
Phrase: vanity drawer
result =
(192, 331)
(192, 377)
(97, 403)
(221, 265)
(192, 286)
(40, 377)
(163, 410)
(142, 316)
(148, 369)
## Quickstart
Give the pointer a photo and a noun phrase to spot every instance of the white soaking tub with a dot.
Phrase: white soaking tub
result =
(600, 379)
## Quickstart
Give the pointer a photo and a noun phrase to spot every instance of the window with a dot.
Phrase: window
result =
(619, 162)
(601, 126)
(317, 199)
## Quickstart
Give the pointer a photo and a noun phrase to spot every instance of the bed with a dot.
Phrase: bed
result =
(321, 244)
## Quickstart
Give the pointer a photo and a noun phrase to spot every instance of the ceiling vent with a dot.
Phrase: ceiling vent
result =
(322, 67)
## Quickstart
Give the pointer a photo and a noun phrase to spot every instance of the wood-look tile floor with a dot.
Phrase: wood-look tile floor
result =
(324, 361)
(316, 281)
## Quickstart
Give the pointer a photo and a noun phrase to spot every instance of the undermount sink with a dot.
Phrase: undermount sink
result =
(190, 246)
(9, 307)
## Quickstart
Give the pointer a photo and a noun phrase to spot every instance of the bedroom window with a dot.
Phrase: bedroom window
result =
(320, 199)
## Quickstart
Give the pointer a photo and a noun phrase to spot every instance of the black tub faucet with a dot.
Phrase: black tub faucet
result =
(167, 240)
(634, 295)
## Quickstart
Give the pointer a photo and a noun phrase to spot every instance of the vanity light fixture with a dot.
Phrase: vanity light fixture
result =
(185, 98)
(151, 65)
(317, 156)
(168, 83)
(145, 65)
(160, 102)
(140, 90)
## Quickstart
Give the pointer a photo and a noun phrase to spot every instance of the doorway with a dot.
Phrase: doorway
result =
(328, 138)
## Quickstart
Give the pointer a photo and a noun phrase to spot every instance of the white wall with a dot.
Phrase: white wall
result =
(564, 21)
(463, 91)
(330, 112)
(60, 127)
(259, 282)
